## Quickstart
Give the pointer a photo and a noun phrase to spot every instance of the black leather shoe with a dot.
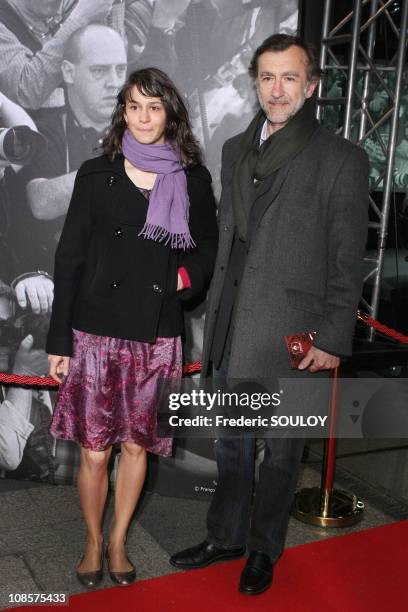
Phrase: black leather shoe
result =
(91, 579)
(204, 554)
(121, 578)
(257, 574)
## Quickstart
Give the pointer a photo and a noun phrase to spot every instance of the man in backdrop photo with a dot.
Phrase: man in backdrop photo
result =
(94, 69)
(293, 220)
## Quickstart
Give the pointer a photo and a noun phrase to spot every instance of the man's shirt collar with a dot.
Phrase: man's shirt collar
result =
(264, 133)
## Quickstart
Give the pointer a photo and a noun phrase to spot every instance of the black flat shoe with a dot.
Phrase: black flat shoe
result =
(257, 574)
(204, 554)
(91, 579)
(121, 578)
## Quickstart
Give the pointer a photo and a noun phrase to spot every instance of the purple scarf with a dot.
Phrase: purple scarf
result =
(167, 215)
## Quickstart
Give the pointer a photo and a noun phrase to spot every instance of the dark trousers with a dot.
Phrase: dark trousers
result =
(232, 520)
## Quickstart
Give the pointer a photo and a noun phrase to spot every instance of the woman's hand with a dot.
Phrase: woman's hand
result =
(58, 365)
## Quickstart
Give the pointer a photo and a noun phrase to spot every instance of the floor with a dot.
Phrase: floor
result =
(42, 535)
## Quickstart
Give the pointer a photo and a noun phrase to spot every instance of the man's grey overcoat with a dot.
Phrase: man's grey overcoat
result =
(303, 270)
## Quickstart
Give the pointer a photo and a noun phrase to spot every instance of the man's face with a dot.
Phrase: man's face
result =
(282, 84)
(94, 82)
(145, 117)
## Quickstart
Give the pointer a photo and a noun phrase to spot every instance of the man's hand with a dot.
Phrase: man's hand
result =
(58, 365)
(29, 361)
(316, 360)
(38, 290)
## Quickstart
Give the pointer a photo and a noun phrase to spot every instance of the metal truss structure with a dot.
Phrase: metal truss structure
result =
(347, 52)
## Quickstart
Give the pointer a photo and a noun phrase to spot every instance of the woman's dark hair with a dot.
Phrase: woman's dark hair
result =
(281, 42)
(155, 83)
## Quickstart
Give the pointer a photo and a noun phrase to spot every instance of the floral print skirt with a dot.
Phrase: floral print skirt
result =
(110, 393)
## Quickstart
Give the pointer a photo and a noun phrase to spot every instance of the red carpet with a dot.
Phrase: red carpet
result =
(361, 572)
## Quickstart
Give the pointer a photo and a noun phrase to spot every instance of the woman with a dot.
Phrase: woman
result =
(140, 236)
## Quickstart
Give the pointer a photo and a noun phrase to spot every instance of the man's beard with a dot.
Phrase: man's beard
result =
(284, 118)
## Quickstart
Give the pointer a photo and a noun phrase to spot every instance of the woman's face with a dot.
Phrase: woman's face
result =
(146, 118)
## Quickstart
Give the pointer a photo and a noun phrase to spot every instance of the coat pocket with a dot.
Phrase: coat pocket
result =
(303, 300)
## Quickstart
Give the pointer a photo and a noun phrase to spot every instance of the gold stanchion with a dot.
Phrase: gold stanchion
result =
(325, 506)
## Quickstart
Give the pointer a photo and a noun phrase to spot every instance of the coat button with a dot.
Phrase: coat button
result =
(115, 285)
(111, 180)
(157, 289)
(226, 228)
(118, 232)
(222, 268)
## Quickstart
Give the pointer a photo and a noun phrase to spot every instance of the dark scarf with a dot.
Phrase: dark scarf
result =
(258, 163)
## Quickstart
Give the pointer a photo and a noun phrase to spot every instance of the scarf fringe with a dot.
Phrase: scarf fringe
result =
(158, 233)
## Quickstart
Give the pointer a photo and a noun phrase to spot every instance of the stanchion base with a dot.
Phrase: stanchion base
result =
(345, 508)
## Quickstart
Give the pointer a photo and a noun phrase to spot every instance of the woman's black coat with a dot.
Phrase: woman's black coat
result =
(111, 282)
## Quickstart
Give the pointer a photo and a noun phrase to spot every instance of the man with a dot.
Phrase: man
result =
(33, 34)
(26, 448)
(94, 69)
(293, 223)
(17, 410)
(30, 286)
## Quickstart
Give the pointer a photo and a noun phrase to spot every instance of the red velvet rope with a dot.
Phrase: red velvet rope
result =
(387, 331)
(47, 381)
(195, 366)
